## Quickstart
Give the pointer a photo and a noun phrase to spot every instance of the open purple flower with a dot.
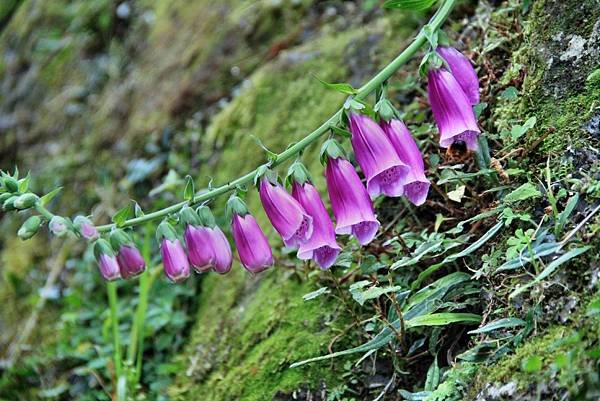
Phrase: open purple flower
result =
(321, 246)
(175, 261)
(107, 262)
(383, 169)
(252, 245)
(463, 71)
(452, 110)
(207, 246)
(350, 202)
(131, 262)
(416, 185)
(285, 213)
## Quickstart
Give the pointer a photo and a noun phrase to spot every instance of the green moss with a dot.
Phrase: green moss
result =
(249, 331)
(568, 355)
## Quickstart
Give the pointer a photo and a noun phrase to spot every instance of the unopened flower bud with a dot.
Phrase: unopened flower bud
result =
(131, 262)
(29, 228)
(9, 204)
(11, 184)
(25, 201)
(85, 227)
(4, 197)
(107, 261)
(58, 226)
(175, 261)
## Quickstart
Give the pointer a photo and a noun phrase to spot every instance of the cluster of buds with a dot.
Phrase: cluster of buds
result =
(118, 256)
(14, 196)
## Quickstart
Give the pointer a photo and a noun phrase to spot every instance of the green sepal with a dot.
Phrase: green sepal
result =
(29, 228)
(165, 231)
(188, 216)
(298, 173)
(119, 238)
(26, 201)
(260, 172)
(206, 217)
(331, 149)
(235, 205)
(385, 109)
(189, 191)
(8, 204)
(102, 247)
(443, 39)
(431, 60)
(431, 35)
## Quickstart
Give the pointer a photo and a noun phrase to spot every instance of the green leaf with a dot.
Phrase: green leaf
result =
(189, 191)
(479, 108)
(418, 396)
(413, 5)
(361, 296)
(532, 364)
(24, 183)
(457, 194)
(510, 93)
(524, 192)
(499, 324)
(442, 319)
(518, 131)
(564, 215)
(339, 87)
(551, 268)
(467, 251)
(433, 376)
(419, 253)
(44, 200)
(314, 294)
(122, 215)
(545, 249)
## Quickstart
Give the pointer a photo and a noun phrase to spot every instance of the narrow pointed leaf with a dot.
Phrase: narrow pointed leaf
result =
(505, 323)
(550, 269)
(442, 319)
(44, 200)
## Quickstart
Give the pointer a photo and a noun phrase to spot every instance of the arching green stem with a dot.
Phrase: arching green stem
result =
(435, 23)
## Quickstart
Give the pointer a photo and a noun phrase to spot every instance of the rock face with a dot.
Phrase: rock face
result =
(116, 101)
